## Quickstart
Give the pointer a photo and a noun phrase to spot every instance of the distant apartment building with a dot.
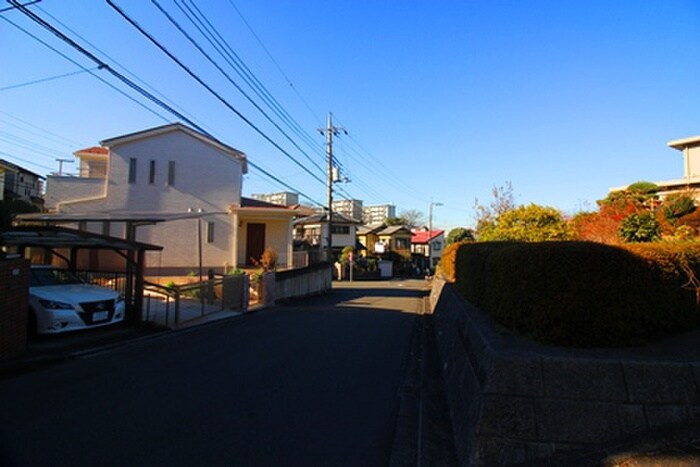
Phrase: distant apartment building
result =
(283, 198)
(350, 208)
(17, 183)
(378, 213)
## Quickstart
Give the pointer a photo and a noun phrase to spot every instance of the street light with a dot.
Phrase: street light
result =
(430, 233)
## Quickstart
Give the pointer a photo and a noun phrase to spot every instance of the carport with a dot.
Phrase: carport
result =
(65, 243)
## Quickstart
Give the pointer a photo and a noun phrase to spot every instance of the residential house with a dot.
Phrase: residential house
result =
(350, 208)
(379, 239)
(313, 231)
(378, 213)
(426, 247)
(18, 183)
(175, 187)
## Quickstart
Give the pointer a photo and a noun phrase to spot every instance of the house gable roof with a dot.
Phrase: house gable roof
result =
(423, 236)
(370, 229)
(172, 127)
(394, 229)
(16, 168)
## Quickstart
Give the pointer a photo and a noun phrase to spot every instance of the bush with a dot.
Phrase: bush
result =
(578, 293)
(268, 260)
(447, 261)
(640, 227)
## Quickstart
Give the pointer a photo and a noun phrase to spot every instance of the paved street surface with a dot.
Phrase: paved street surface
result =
(323, 381)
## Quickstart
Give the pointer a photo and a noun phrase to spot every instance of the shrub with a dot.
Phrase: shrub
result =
(268, 260)
(640, 227)
(447, 261)
(578, 293)
(235, 272)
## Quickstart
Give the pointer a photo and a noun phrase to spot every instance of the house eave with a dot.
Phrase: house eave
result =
(683, 143)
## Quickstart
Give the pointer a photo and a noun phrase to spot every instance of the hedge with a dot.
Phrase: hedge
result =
(582, 293)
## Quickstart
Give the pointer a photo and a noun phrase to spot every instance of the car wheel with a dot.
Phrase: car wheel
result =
(31, 323)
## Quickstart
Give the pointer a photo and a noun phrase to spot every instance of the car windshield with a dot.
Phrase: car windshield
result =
(50, 276)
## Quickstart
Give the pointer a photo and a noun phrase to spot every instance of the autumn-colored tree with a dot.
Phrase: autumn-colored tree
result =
(603, 226)
(532, 223)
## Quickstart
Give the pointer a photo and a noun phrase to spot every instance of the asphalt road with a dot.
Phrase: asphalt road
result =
(312, 383)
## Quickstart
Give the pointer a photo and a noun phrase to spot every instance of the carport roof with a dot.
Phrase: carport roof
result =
(137, 217)
(61, 237)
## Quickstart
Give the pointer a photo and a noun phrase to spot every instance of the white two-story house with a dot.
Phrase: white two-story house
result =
(175, 187)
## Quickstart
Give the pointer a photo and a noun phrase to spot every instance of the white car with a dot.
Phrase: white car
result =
(59, 301)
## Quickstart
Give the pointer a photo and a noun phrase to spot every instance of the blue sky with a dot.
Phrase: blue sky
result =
(442, 99)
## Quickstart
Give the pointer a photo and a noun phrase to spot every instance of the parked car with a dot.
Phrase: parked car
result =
(59, 301)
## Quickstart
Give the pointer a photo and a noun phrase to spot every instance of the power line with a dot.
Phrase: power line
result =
(3, 10)
(61, 36)
(55, 138)
(200, 21)
(230, 80)
(43, 23)
(206, 86)
(14, 139)
(24, 160)
(123, 68)
(43, 80)
(277, 65)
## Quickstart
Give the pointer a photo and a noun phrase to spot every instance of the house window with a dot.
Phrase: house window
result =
(340, 229)
(106, 228)
(152, 172)
(437, 246)
(132, 170)
(402, 244)
(210, 232)
(171, 173)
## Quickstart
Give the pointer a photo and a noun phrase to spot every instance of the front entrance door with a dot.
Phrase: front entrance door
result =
(255, 242)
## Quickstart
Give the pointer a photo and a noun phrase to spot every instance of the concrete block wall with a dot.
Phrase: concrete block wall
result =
(302, 282)
(14, 303)
(519, 403)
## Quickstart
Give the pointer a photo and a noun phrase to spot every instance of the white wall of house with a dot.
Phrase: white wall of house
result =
(59, 189)
(437, 244)
(691, 161)
(205, 178)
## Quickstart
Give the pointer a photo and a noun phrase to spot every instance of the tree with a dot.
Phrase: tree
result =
(412, 218)
(459, 234)
(503, 201)
(10, 208)
(676, 206)
(532, 223)
(394, 221)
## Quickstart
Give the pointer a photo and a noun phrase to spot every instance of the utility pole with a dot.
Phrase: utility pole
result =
(430, 233)
(60, 165)
(330, 131)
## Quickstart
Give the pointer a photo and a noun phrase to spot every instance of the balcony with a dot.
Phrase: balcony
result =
(60, 189)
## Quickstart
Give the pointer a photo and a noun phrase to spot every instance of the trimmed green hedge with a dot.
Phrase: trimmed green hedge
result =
(580, 293)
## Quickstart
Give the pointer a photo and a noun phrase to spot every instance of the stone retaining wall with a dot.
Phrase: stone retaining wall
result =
(513, 401)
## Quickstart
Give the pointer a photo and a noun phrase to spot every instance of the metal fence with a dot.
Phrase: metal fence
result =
(172, 306)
